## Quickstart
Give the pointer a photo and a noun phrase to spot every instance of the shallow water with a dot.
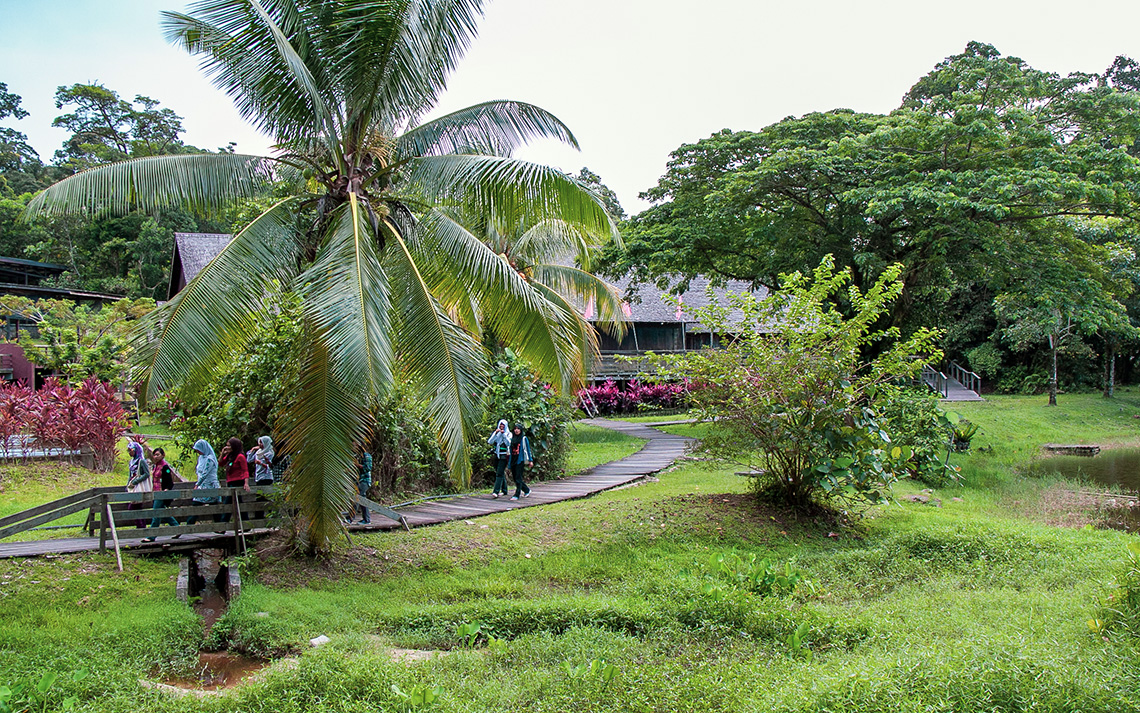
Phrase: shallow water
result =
(217, 670)
(1117, 468)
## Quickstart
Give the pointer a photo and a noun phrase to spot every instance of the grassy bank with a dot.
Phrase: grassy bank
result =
(977, 604)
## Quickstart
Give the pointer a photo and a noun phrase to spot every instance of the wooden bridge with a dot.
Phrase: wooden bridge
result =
(111, 524)
(954, 383)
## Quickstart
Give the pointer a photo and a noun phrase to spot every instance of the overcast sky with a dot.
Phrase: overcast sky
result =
(634, 79)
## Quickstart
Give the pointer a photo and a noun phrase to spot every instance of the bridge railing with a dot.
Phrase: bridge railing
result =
(936, 380)
(965, 377)
(110, 509)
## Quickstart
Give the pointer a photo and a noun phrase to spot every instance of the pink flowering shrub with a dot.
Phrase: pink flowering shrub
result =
(60, 417)
(609, 398)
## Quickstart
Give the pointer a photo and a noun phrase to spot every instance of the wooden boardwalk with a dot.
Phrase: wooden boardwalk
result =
(659, 452)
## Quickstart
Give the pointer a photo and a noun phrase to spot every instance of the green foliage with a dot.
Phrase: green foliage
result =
(598, 669)
(42, 697)
(418, 696)
(406, 456)
(246, 396)
(518, 395)
(762, 577)
(1122, 608)
(985, 360)
(920, 431)
(792, 394)
(468, 633)
(77, 340)
(928, 185)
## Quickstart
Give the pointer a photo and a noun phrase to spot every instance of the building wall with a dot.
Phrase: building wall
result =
(14, 366)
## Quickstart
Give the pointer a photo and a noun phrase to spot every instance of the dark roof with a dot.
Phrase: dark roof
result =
(192, 252)
(196, 250)
(650, 306)
(52, 267)
(59, 293)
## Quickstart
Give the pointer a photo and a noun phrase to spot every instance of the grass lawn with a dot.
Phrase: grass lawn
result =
(980, 604)
(594, 445)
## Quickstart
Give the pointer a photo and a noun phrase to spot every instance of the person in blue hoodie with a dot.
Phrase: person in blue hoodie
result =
(521, 459)
(207, 470)
(500, 441)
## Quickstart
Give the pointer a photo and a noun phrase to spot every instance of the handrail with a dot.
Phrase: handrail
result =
(936, 380)
(966, 378)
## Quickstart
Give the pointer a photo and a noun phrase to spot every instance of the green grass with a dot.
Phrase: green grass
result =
(594, 445)
(975, 605)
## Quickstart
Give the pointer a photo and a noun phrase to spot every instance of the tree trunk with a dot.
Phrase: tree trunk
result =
(1053, 378)
(1110, 372)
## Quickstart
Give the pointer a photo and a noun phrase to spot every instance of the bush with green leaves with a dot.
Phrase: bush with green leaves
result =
(921, 430)
(406, 455)
(1122, 609)
(793, 395)
(245, 396)
(516, 394)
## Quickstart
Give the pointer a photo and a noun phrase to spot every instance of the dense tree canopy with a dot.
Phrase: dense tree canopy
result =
(982, 149)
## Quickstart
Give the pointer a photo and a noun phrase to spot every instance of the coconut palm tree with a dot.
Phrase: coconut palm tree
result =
(555, 257)
(365, 236)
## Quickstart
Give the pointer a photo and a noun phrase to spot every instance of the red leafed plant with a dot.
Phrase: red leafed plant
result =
(62, 417)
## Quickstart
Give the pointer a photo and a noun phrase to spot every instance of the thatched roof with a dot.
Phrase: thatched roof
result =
(192, 252)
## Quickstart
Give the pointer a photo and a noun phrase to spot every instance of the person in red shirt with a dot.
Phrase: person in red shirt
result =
(233, 462)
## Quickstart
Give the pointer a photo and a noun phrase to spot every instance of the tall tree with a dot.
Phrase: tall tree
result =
(342, 87)
(979, 146)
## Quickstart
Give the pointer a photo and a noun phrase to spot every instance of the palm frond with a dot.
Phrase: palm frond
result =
(346, 299)
(443, 362)
(181, 344)
(494, 128)
(462, 268)
(200, 182)
(322, 423)
(553, 241)
(487, 185)
(266, 60)
(397, 55)
(582, 288)
(584, 337)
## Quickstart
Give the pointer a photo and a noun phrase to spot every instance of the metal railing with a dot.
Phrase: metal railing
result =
(965, 377)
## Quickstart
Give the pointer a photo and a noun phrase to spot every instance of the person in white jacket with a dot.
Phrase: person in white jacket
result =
(500, 441)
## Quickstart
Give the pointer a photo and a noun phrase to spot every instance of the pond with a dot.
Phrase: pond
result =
(1118, 467)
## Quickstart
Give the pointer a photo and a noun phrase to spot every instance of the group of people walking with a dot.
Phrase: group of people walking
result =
(510, 450)
(156, 475)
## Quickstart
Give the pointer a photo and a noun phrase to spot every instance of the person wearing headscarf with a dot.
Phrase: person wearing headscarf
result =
(261, 456)
(500, 441)
(237, 470)
(207, 472)
(521, 459)
(162, 480)
(138, 477)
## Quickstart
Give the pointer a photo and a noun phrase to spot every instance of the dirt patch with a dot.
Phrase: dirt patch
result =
(1062, 506)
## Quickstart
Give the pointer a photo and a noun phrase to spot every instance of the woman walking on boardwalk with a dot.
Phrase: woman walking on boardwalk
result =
(237, 470)
(521, 458)
(500, 441)
(207, 471)
(138, 477)
(163, 480)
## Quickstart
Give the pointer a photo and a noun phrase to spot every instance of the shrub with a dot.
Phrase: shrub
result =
(793, 394)
(1123, 607)
(405, 452)
(59, 416)
(516, 394)
(914, 420)
(610, 398)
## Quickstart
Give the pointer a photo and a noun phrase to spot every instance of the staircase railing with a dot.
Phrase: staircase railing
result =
(965, 377)
(935, 380)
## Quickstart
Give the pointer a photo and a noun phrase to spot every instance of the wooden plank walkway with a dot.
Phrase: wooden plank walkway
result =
(660, 451)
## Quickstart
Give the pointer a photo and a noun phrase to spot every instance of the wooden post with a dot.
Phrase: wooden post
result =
(103, 499)
(239, 535)
(114, 535)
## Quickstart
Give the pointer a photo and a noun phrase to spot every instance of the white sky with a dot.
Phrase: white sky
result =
(634, 79)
